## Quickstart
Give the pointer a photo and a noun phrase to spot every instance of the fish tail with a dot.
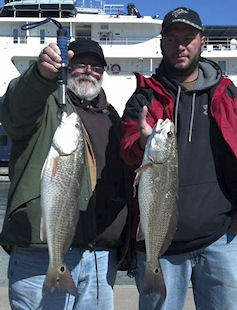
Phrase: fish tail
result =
(59, 279)
(154, 282)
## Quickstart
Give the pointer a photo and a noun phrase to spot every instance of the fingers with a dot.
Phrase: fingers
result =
(54, 47)
(70, 55)
(142, 117)
(145, 128)
(51, 55)
(49, 61)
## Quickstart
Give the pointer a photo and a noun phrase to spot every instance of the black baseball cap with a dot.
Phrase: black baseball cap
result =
(86, 46)
(182, 15)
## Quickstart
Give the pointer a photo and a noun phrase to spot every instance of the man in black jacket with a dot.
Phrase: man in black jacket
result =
(29, 113)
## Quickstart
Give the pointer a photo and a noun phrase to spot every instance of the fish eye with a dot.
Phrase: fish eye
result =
(169, 134)
(77, 125)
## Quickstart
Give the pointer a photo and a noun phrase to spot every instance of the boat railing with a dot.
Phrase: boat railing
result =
(102, 39)
(114, 9)
(122, 40)
(109, 38)
(128, 73)
(220, 44)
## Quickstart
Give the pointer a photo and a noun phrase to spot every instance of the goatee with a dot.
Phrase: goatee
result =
(186, 71)
(84, 86)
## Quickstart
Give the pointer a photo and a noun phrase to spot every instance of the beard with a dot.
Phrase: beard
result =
(84, 86)
(182, 71)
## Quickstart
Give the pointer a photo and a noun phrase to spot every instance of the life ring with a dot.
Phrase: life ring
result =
(115, 68)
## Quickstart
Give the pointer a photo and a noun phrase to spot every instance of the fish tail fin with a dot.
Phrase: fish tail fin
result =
(59, 279)
(154, 282)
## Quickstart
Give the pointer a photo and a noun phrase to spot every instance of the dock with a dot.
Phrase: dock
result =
(125, 298)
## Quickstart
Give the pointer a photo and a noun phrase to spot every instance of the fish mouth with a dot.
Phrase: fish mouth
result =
(164, 124)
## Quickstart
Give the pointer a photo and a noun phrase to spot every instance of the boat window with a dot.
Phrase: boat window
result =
(42, 36)
(105, 35)
(104, 27)
(23, 37)
(15, 36)
(83, 31)
(3, 140)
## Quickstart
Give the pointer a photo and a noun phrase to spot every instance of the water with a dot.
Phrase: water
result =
(122, 278)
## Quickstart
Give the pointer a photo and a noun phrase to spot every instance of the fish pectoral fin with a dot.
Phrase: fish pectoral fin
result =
(140, 234)
(143, 167)
(43, 234)
(54, 166)
(139, 171)
(136, 179)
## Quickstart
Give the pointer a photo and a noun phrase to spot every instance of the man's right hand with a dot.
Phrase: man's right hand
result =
(145, 128)
(49, 61)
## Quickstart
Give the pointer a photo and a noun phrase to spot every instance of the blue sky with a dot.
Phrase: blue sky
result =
(212, 12)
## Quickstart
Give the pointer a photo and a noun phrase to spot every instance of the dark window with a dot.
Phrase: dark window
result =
(3, 140)
(42, 36)
(15, 36)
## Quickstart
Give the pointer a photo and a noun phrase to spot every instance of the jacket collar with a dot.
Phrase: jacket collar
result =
(98, 104)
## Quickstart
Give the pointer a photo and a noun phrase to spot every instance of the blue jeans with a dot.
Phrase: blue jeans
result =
(28, 267)
(212, 271)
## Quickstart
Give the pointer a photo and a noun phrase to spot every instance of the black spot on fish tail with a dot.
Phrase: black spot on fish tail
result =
(59, 279)
(153, 282)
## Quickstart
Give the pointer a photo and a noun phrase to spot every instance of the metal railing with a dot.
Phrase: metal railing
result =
(102, 39)
(220, 43)
(108, 38)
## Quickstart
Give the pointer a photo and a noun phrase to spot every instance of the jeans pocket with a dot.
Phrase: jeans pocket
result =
(231, 234)
(11, 263)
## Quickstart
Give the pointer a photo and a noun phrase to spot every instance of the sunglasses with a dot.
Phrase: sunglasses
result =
(83, 68)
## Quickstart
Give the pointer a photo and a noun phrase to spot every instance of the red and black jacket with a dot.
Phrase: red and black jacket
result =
(213, 174)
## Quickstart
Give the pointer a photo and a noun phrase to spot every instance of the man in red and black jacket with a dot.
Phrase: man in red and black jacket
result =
(192, 92)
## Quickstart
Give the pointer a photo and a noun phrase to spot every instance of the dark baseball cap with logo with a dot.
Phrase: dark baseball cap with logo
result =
(86, 46)
(182, 15)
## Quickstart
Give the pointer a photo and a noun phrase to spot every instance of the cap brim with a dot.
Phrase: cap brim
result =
(184, 22)
(102, 60)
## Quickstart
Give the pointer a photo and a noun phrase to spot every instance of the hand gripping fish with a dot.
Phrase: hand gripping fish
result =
(60, 185)
(157, 196)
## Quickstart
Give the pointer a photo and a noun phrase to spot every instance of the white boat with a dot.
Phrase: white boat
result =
(130, 42)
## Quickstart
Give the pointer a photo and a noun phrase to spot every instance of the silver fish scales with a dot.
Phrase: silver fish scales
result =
(157, 196)
(60, 186)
